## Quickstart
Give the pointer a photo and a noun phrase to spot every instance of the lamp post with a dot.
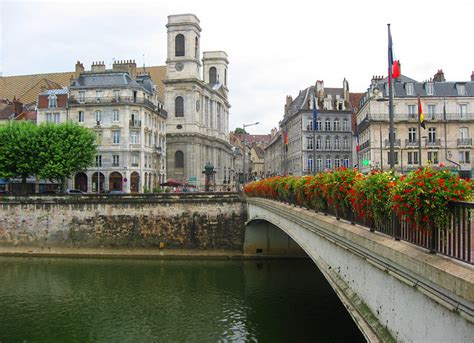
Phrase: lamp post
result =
(245, 142)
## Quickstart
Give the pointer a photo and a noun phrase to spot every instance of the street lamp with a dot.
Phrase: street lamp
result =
(244, 170)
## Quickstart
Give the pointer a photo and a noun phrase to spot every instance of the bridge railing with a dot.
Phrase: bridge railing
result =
(456, 240)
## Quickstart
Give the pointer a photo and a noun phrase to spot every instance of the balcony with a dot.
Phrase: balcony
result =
(110, 101)
(135, 123)
(397, 143)
(464, 142)
(365, 145)
(158, 150)
(411, 143)
(433, 143)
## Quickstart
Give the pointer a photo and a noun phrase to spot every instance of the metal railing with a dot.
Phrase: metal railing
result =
(121, 100)
(465, 142)
(397, 143)
(433, 143)
(456, 240)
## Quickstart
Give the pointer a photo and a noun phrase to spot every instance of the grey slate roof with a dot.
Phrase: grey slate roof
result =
(55, 91)
(110, 79)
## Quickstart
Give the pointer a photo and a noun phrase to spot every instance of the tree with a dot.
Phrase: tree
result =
(49, 151)
(64, 150)
(240, 130)
(18, 151)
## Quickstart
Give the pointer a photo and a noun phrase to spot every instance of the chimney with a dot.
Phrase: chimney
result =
(128, 66)
(320, 89)
(472, 76)
(79, 69)
(98, 66)
(439, 76)
(289, 100)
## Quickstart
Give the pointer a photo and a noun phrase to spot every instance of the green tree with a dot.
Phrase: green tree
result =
(240, 130)
(19, 151)
(65, 149)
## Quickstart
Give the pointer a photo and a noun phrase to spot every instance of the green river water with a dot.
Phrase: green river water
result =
(132, 300)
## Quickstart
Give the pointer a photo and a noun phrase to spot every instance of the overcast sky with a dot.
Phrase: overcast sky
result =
(275, 48)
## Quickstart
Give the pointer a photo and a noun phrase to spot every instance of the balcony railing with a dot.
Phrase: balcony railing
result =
(397, 143)
(365, 145)
(135, 123)
(433, 143)
(409, 143)
(464, 142)
(121, 100)
(451, 116)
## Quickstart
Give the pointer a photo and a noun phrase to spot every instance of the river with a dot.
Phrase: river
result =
(133, 300)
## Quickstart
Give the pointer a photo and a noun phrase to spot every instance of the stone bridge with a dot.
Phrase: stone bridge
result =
(394, 291)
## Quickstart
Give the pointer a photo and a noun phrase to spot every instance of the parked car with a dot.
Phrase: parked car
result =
(5, 192)
(116, 191)
(74, 191)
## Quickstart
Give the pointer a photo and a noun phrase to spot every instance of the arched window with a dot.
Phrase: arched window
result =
(52, 101)
(179, 159)
(179, 107)
(179, 45)
(196, 47)
(212, 75)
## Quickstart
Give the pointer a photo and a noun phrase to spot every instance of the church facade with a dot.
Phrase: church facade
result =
(196, 98)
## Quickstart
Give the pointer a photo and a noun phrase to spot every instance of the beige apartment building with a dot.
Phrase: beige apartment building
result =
(448, 109)
(124, 111)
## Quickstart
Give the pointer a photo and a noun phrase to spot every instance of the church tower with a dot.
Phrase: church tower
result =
(215, 68)
(183, 47)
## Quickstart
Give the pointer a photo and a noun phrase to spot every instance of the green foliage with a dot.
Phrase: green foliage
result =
(50, 151)
(240, 130)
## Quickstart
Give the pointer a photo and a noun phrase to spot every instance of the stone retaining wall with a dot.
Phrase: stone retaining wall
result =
(178, 221)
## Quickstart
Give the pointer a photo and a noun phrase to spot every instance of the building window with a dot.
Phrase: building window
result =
(179, 45)
(212, 75)
(409, 88)
(310, 164)
(328, 163)
(98, 160)
(309, 124)
(328, 143)
(396, 157)
(134, 137)
(116, 137)
(318, 143)
(429, 89)
(345, 144)
(464, 133)
(464, 157)
(462, 110)
(337, 162)
(431, 112)
(98, 116)
(80, 116)
(345, 125)
(413, 157)
(179, 159)
(433, 157)
(116, 95)
(412, 111)
(461, 89)
(115, 116)
(309, 143)
(336, 125)
(115, 160)
(52, 101)
(82, 96)
(337, 143)
(327, 125)
(432, 135)
(412, 135)
(179, 106)
(319, 164)
(135, 160)
(98, 95)
(345, 162)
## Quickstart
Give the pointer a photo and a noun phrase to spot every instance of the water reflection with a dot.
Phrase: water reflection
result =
(182, 300)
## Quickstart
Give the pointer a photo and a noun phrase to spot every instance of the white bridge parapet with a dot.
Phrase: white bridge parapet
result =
(394, 291)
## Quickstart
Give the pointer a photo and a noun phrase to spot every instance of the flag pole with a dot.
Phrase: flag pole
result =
(419, 132)
(390, 103)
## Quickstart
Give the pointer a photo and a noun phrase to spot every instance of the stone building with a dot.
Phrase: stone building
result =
(197, 103)
(124, 111)
(330, 145)
(273, 158)
(448, 108)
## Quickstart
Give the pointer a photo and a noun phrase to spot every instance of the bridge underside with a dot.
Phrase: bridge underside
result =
(265, 239)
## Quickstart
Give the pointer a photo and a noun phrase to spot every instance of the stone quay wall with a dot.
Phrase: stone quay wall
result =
(165, 221)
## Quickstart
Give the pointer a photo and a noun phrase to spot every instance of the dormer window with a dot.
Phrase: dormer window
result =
(429, 89)
(410, 89)
(461, 89)
(52, 101)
